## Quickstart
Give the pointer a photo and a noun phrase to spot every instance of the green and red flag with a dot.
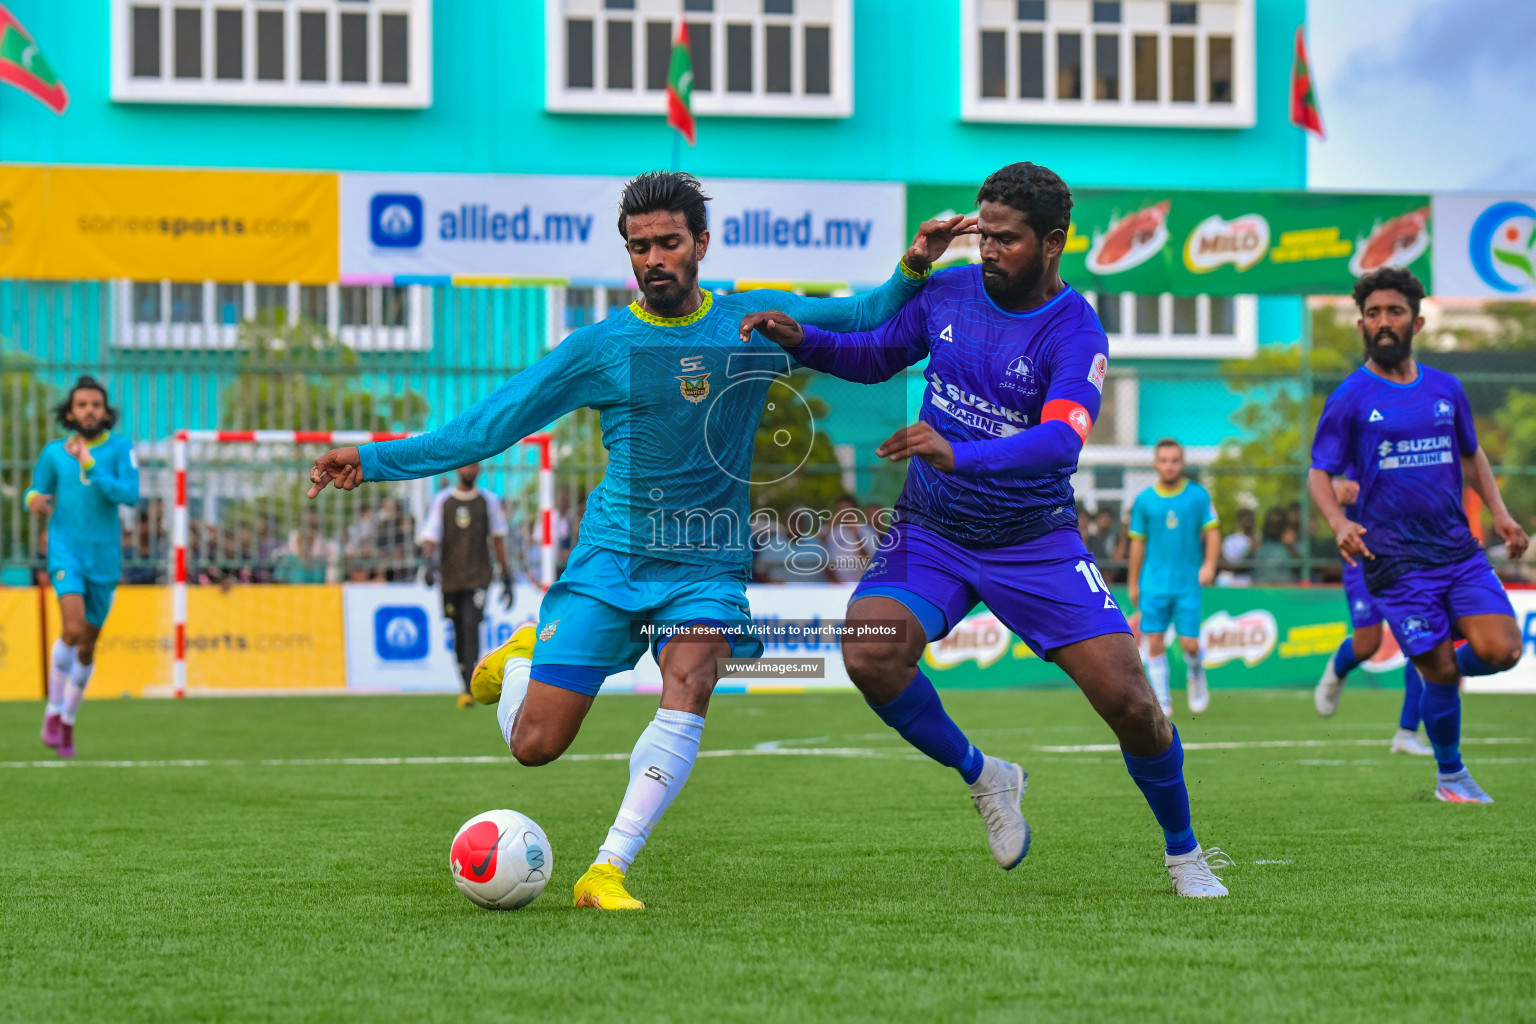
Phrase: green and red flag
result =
(22, 65)
(680, 87)
(1304, 112)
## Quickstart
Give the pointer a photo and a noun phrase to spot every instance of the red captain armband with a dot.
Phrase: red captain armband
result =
(1070, 413)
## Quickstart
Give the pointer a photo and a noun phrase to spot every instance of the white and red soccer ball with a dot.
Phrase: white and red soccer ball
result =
(500, 860)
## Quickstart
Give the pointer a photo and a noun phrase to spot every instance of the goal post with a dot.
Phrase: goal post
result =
(180, 441)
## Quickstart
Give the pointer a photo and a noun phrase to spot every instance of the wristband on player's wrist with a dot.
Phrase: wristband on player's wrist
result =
(911, 271)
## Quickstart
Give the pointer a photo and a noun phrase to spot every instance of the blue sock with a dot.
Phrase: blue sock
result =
(1344, 659)
(1470, 664)
(1161, 780)
(1413, 694)
(1441, 708)
(919, 716)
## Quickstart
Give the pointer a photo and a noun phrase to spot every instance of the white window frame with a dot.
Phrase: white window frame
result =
(1138, 17)
(1242, 343)
(291, 92)
(210, 333)
(640, 100)
(556, 298)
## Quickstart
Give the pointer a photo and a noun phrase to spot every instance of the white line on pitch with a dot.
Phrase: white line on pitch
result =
(312, 762)
(1104, 748)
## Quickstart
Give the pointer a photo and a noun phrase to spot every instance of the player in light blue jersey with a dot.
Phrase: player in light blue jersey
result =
(664, 542)
(1405, 433)
(1016, 363)
(77, 486)
(1175, 538)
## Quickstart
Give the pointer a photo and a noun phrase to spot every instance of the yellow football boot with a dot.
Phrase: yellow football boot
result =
(466, 701)
(603, 887)
(485, 683)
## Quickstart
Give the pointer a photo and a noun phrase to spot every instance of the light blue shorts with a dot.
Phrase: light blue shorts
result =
(593, 620)
(1182, 609)
(68, 579)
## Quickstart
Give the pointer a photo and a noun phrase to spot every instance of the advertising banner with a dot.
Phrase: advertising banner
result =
(1221, 243)
(21, 644)
(536, 228)
(1485, 245)
(22, 213)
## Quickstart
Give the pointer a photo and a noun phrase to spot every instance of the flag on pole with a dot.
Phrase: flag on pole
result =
(680, 87)
(22, 65)
(1304, 112)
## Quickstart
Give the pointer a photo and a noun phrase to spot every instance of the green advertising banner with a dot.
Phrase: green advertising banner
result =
(1254, 637)
(1220, 243)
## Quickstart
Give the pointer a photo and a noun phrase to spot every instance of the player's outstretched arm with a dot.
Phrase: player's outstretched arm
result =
(1348, 534)
(339, 466)
(865, 357)
(45, 484)
(1481, 479)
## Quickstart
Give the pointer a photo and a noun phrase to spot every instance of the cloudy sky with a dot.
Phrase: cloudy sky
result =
(1424, 94)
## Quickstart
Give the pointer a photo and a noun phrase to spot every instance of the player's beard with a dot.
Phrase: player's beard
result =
(1008, 290)
(1387, 350)
(666, 294)
(90, 432)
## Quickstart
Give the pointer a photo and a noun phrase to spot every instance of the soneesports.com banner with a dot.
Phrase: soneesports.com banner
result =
(1221, 243)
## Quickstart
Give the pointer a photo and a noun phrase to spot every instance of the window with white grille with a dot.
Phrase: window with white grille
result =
(1187, 326)
(327, 53)
(1128, 62)
(780, 58)
(208, 314)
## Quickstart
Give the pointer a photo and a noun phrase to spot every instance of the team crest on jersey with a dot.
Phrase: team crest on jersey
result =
(1415, 625)
(1172, 520)
(548, 630)
(1444, 411)
(1021, 377)
(461, 517)
(1098, 371)
(693, 382)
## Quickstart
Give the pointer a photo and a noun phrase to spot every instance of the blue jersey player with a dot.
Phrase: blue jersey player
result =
(663, 542)
(1405, 432)
(1363, 642)
(1175, 538)
(77, 485)
(1016, 366)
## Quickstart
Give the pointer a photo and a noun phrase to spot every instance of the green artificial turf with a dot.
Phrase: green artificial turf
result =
(781, 887)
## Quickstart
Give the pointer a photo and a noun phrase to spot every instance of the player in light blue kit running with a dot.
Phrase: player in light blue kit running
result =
(664, 539)
(77, 485)
(1175, 538)
(1016, 367)
(1405, 432)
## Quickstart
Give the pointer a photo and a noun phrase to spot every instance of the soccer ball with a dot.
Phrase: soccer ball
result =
(501, 860)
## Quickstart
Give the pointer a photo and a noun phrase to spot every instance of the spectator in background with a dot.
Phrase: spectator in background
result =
(394, 539)
(357, 546)
(1102, 537)
(1237, 549)
(1273, 561)
(850, 542)
(878, 516)
(309, 556)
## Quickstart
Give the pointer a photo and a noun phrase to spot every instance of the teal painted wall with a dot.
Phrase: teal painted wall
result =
(488, 115)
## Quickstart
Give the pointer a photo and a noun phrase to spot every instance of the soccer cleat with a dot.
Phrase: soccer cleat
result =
(997, 793)
(1326, 696)
(1406, 741)
(1458, 788)
(1198, 693)
(1191, 873)
(602, 887)
(485, 683)
(66, 740)
(53, 728)
(466, 701)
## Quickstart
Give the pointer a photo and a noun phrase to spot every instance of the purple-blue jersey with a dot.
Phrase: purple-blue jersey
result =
(1404, 443)
(1014, 393)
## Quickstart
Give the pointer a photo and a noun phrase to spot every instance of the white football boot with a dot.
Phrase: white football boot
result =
(997, 793)
(1405, 741)
(1191, 872)
(1326, 696)
(1198, 693)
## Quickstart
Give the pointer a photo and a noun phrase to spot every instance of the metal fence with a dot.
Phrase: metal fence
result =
(1246, 425)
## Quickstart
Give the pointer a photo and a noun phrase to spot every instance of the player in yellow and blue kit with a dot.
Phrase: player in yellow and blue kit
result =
(78, 484)
(1174, 543)
(664, 552)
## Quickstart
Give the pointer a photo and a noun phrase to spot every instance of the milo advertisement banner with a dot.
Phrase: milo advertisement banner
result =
(1219, 243)
(1254, 637)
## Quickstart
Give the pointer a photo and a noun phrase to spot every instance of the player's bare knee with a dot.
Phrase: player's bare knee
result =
(534, 749)
(870, 664)
(1502, 654)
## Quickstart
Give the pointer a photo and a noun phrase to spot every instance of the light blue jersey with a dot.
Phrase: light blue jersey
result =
(84, 536)
(1173, 524)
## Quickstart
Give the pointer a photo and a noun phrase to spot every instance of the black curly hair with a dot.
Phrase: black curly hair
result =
(1036, 192)
(62, 411)
(1394, 279)
(672, 191)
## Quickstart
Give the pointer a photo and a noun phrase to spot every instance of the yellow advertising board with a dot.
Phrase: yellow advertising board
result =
(21, 644)
(150, 224)
(273, 639)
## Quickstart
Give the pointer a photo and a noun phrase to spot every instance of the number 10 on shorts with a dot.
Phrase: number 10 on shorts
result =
(1095, 581)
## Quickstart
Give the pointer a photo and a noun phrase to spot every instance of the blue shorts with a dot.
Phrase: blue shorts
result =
(1363, 612)
(1422, 605)
(1047, 590)
(591, 623)
(1182, 609)
(68, 579)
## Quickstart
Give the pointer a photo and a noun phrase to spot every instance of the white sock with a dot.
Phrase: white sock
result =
(63, 663)
(1157, 672)
(658, 768)
(1196, 662)
(514, 687)
(74, 693)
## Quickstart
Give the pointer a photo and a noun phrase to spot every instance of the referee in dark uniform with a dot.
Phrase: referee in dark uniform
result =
(462, 525)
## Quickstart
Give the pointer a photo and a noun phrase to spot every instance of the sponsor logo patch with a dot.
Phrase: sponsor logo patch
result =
(1098, 370)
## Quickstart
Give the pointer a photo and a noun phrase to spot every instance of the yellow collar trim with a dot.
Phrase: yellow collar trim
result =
(105, 435)
(675, 321)
(1161, 493)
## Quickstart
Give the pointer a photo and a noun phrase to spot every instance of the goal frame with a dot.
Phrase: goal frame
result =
(181, 438)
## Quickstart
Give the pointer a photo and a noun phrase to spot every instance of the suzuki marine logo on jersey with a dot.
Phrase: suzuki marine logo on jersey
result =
(1098, 371)
(693, 382)
(973, 410)
(1385, 448)
(1021, 377)
(1249, 636)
